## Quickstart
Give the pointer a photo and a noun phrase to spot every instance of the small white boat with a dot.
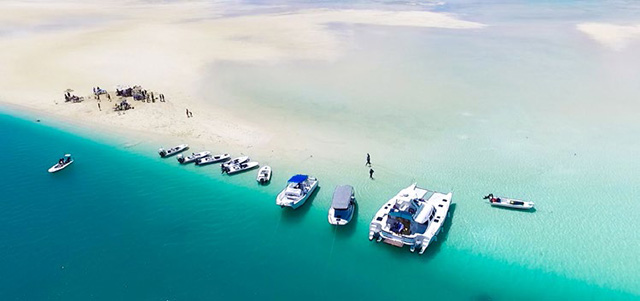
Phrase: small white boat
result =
(62, 163)
(193, 157)
(264, 175)
(413, 217)
(342, 206)
(508, 203)
(172, 151)
(238, 160)
(213, 159)
(236, 168)
(298, 190)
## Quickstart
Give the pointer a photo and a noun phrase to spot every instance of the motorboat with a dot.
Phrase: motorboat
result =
(62, 164)
(193, 157)
(413, 217)
(238, 160)
(342, 206)
(236, 168)
(508, 203)
(298, 190)
(172, 151)
(213, 159)
(264, 175)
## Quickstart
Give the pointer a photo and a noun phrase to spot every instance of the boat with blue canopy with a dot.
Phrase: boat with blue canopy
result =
(297, 191)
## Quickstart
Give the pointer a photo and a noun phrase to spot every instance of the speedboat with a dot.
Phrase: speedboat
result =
(413, 217)
(172, 151)
(342, 206)
(236, 168)
(264, 175)
(193, 157)
(235, 161)
(508, 203)
(213, 159)
(62, 163)
(298, 190)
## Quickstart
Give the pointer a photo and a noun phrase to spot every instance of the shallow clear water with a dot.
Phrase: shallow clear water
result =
(124, 224)
(526, 108)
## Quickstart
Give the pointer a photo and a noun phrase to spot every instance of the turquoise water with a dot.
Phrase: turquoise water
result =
(124, 224)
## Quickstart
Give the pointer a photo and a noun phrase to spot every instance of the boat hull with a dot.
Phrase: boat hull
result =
(57, 168)
(282, 201)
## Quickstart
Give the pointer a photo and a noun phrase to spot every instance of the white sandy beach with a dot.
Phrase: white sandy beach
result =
(48, 48)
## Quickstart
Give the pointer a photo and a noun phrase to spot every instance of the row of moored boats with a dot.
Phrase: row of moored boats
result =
(413, 217)
(228, 166)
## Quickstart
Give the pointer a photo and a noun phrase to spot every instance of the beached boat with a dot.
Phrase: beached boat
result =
(193, 157)
(236, 168)
(172, 151)
(508, 203)
(62, 164)
(298, 190)
(413, 217)
(264, 175)
(213, 159)
(237, 160)
(343, 205)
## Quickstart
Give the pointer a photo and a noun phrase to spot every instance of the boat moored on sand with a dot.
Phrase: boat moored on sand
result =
(172, 151)
(213, 159)
(193, 157)
(236, 168)
(508, 203)
(62, 163)
(264, 175)
(237, 160)
(298, 190)
(342, 206)
(413, 217)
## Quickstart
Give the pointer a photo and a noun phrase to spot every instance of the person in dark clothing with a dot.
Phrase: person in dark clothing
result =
(99, 107)
(371, 173)
(187, 113)
(368, 160)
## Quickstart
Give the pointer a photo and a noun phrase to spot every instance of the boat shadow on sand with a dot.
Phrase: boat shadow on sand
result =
(434, 247)
(296, 215)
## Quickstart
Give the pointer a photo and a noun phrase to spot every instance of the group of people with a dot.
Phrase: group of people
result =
(68, 97)
(62, 161)
(369, 164)
(122, 106)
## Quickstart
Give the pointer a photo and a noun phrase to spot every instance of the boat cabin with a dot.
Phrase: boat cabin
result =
(343, 201)
(410, 217)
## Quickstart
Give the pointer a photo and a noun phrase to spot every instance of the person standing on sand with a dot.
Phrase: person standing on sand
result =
(99, 107)
(187, 113)
(368, 160)
(371, 173)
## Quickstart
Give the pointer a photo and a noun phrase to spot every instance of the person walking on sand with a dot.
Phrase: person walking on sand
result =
(187, 113)
(368, 160)
(371, 173)
(99, 107)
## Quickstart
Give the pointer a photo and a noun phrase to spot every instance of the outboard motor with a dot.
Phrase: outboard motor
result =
(180, 158)
(162, 152)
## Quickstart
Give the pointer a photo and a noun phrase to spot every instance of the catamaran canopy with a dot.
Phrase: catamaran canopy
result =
(342, 197)
(298, 179)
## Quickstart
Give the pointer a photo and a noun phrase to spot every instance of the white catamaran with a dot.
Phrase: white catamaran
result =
(413, 217)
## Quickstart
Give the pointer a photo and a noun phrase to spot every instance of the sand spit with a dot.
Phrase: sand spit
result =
(50, 47)
(616, 37)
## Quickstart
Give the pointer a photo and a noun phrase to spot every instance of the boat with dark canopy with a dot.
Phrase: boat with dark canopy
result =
(342, 205)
